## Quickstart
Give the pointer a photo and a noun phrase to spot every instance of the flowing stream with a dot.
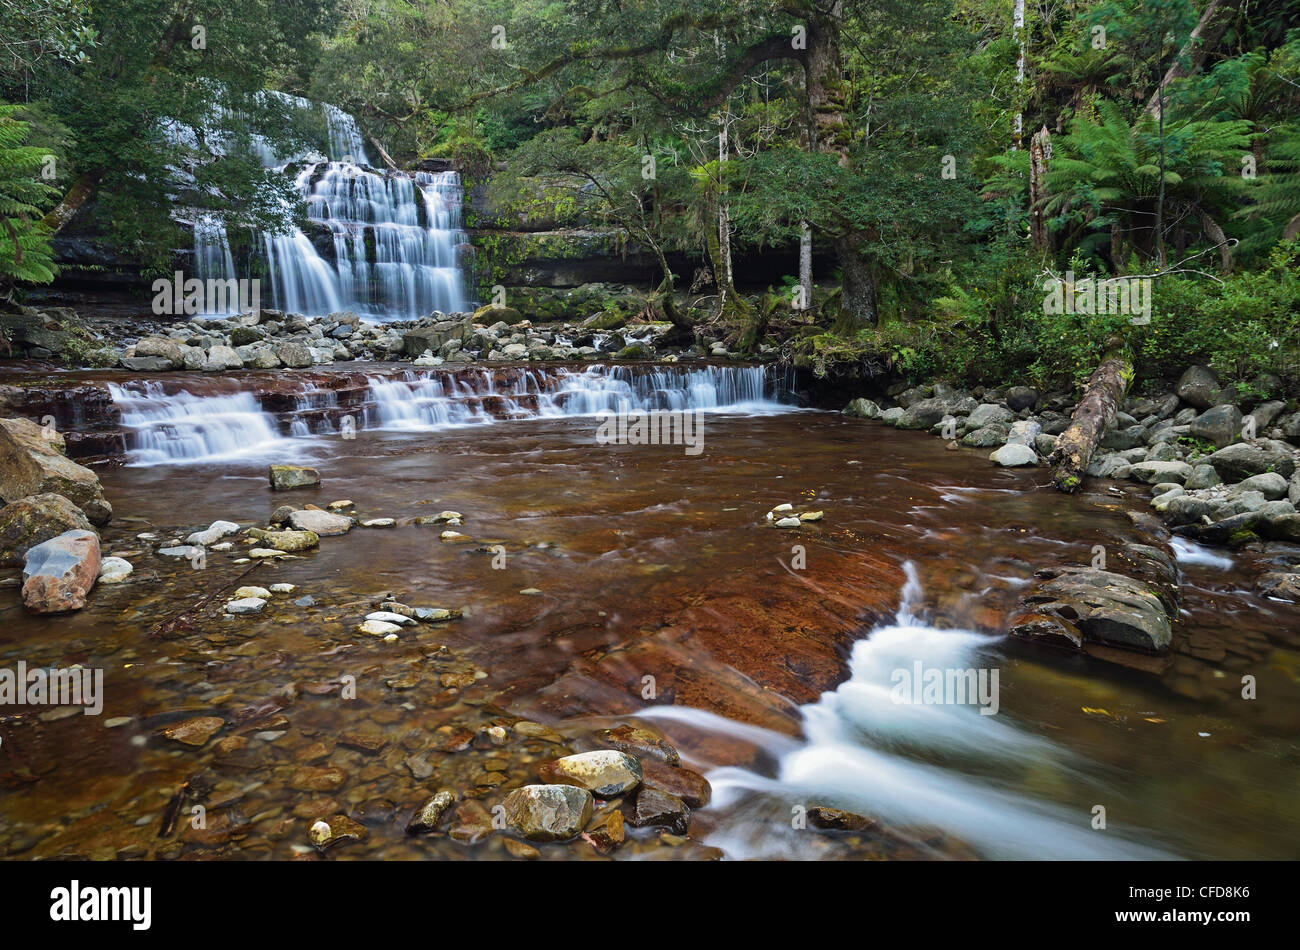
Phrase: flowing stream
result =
(590, 567)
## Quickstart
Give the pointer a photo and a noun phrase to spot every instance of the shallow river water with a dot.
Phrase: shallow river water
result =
(604, 581)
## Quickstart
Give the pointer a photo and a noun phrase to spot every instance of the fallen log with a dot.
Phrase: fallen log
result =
(1095, 414)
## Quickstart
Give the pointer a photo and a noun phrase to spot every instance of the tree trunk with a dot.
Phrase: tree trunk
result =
(1018, 27)
(1040, 153)
(722, 267)
(77, 196)
(857, 282)
(805, 265)
(1208, 30)
(1095, 414)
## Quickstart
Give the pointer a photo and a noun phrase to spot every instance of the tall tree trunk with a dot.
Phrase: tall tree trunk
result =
(1214, 21)
(722, 267)
(1018, 27)
(857, 282)
(1040, 153)
(77, 196)
(805, 264)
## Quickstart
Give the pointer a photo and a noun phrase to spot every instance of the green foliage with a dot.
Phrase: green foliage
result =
(24, 241)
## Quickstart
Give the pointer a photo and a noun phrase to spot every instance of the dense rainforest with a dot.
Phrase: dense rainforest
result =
(932, 170)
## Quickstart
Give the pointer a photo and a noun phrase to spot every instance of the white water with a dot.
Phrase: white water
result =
(1188, 552)
(865, 753)
(183, 427)
(187, 427)
(395, 239)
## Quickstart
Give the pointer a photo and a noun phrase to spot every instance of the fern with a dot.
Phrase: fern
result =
(25, 253)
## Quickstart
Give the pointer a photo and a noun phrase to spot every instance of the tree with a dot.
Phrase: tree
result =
(24, 240)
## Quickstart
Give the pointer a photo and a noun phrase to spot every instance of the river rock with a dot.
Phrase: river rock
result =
(656, 808)
(1025, 432)
(1155, 472)
(294, 354)
(288, 541)
(1078, 604)
(1014, 455)
(212, 534)
(986, 437)
(58, 574)
(195, 732)
(221, 358)
(1252, 458)
(428, 815)
(690, 786)
(323, 523)
(32, 463)
(604, 772)
(1202, 476)
(1265, 413)
(386, 616)
(892, 415)
(639, 742)
(862, 409)
(29, 521)
(114, 570)
(987, 414)
(1283, 586)
(1198, 387)
(548, 812)
(1270, 484)
(379, 628)
(245, 605)
(1220, 425)
(1021, 397)
(169, 351)
(286, 477)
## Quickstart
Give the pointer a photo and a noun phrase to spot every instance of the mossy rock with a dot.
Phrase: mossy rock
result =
(488, 315)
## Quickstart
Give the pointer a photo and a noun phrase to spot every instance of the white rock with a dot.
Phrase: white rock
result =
(114, 570)
(283, 588)
(1013, 454)
(788, 522)
(378, 523)
(261, 592)
(379, 628)
(386, 616)
(246, 605)
(213, 533)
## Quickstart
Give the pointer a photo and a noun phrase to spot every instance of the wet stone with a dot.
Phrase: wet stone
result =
(428, 815)
(658, 809)
(548, 812)
(639, 742)
(690, 786)
(833, 819)
(310, 778)
(605, 772)
(195, 732)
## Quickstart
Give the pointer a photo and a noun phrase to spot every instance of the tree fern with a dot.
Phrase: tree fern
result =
(25, 253)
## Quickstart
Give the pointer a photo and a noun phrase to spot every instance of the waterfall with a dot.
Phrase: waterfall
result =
(252, 417)
(184, 427)
(212, 258)
(382, 244)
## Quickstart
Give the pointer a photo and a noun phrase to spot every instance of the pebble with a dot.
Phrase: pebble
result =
(261, 592)
(378, 523)
(246, 605)
(264, 552)
(454, 536)
(283, 588)
(788, 522)
(380, 628)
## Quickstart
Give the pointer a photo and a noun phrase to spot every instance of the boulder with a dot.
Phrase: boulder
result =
(548, 812)
(1251, 458)
(862, 409)
(294, 355)
(1021, 397)
(415, 342)
(1086, 604)
(1265, 413)
(987, 414)
(1025, 432)
(1220, 425)
(286, 477)
(1272, 485)
(1202, 476)
(32, 463)
(221, 358)
(288, 541)
(986, 437)
(1198, 387)
(162, 348)
(1154, 472)
(30, 521)
(59, 573)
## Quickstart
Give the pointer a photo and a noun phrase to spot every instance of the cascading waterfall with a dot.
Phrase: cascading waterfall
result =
(185, 427)
(212, 257)
(865, 752)
(387, 244)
